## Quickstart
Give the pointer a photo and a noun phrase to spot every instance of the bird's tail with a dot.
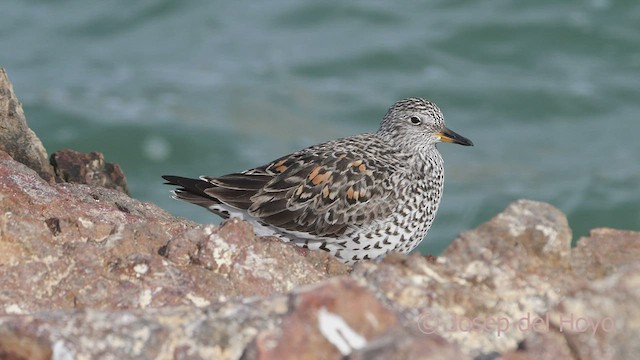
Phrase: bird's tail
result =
(192, 190)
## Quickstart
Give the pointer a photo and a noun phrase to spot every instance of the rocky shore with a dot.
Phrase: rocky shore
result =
(87, 272)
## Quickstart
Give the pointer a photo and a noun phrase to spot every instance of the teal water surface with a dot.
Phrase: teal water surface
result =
(548, 91)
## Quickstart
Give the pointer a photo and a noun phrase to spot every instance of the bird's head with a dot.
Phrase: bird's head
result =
(418, 123)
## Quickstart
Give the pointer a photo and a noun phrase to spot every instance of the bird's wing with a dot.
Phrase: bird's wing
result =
(318, 191)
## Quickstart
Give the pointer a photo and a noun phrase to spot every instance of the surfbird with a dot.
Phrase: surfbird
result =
(358, 198)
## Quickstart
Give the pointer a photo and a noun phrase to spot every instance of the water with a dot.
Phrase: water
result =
(548, 91)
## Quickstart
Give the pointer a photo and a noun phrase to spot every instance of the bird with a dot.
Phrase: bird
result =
(358, 197)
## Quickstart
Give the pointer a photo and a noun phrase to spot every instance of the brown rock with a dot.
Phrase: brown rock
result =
(526, 234)
(605, 252)
(312, 323)
(254, 266)
(72, 246)
(91, 169)
(486, 281)
(543, 345)
(72, 254)
(87, 272)
(23, 345)
(509, 286)
(16, 138)
(601, 320)
(326, 321)
(219, 332)
(406, 345)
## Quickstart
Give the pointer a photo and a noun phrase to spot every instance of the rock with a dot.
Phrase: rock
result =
(71, 246)
(22, 144)
(137, 282)
(605, 252)
(249, 266)
(91, 169)
(404, 345)
(494, 287)
(312, 322)
(219, 332)
(328, 322)
(601, 320)
(327, 319)
(88, 272)
(16, 138)
(526, 234)
(543, 345)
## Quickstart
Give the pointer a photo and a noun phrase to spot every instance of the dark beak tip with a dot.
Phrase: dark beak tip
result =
(453, 137)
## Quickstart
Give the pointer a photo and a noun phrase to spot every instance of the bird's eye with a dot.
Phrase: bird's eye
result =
(415, 120)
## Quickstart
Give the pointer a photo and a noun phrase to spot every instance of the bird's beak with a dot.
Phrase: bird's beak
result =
(451, 136)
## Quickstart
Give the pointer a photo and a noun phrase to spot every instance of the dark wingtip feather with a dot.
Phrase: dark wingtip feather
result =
(193, 186)
(173, 180)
